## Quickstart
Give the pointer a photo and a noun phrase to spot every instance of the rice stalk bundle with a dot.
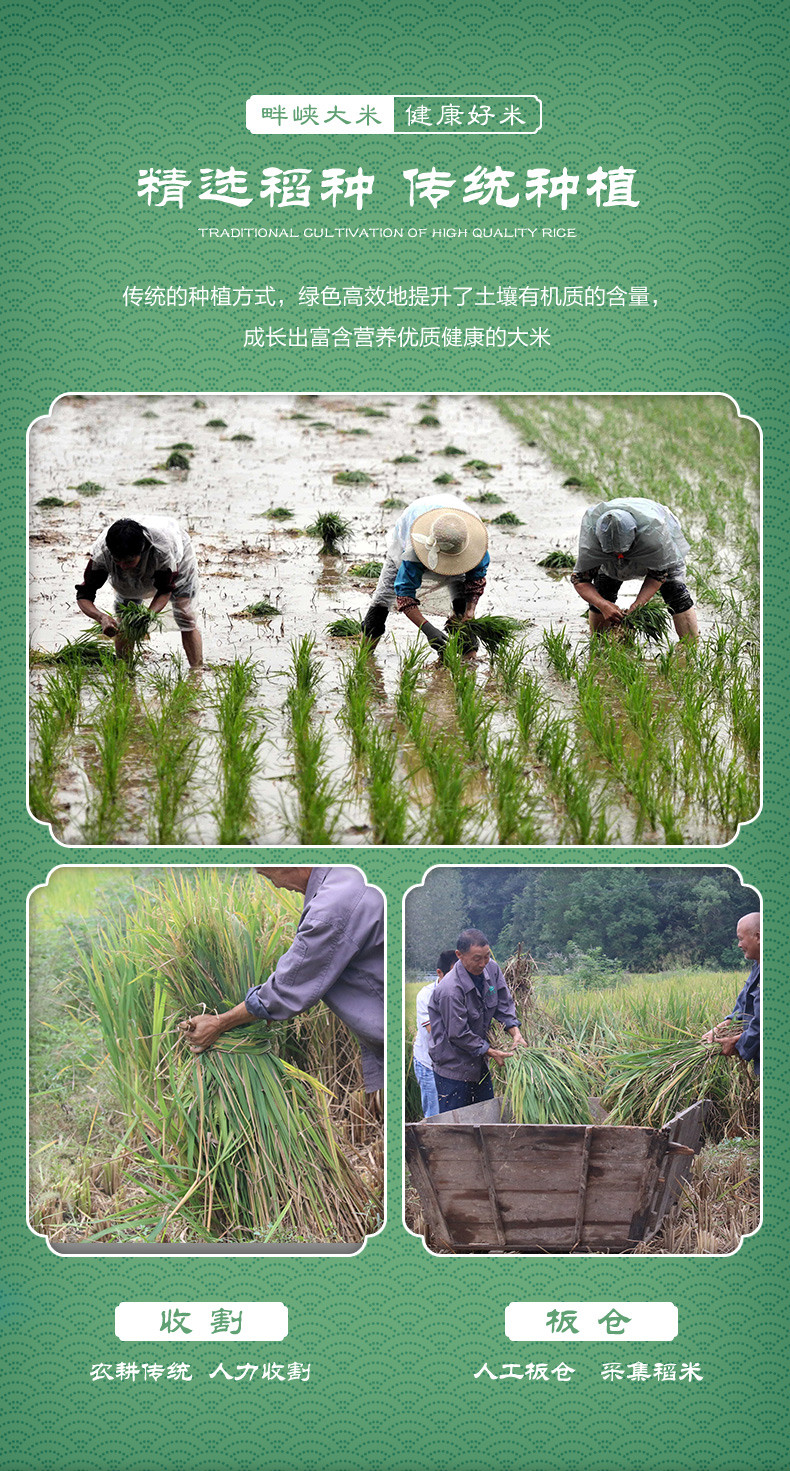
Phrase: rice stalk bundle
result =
(239, 1136)
(558, 561)
(90, 647)
(492, 629)
(332, 529)
(660, 1076)
(650, 621)
(345, 628)
(541, 1088)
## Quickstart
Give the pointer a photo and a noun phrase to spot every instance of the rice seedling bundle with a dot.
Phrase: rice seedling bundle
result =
(332, 529)
(650, 621)
(558, 561)
(662, 1075)
(176, 461)
(345, 628)
(492, 629)
(259, 612)
(366, 569)
(239, 1137)
(90, 647)
(507, 518)
(541, 1088)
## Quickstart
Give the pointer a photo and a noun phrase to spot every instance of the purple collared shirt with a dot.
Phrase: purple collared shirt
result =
(461, 1011)
(337, 956)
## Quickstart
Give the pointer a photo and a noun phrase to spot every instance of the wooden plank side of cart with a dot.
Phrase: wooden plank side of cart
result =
(491, 1186)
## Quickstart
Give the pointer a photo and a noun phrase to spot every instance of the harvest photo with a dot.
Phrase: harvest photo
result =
(582, 1060)
(394, 619)
(206, 1059)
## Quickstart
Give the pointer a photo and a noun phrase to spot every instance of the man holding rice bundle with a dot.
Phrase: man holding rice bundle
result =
(147, 558)
(436, 543)
(626, 538)
(337, 956)
(461, 1009)
(746, 1045)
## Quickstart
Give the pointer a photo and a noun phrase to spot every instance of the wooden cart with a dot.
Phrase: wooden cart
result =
(488, 1185)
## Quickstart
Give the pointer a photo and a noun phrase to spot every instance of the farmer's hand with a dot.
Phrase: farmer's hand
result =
(728, 1045)
(201, 1032)
(709, 1036)
(436, 638)
(108, 625)
(495, 1054)
(611, 612)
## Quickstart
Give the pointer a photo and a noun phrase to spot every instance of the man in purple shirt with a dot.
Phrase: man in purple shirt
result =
(337, 956)
(461, 1009)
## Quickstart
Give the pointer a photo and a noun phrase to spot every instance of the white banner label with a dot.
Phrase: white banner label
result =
(201, 1322)
(591, 1322)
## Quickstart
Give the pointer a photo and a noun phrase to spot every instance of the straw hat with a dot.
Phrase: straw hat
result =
(449, 541)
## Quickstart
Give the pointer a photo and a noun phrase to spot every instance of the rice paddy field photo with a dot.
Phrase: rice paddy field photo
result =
(297, 730)
(266, 1139)
(612, 1045)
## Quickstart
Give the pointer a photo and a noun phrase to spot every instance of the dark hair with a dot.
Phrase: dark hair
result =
(468, 938)
(124, 539)
(446, 961)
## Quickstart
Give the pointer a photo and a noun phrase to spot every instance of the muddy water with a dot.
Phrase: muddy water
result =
(243, 557)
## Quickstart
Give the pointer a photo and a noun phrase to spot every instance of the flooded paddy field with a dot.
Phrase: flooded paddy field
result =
(291, 735)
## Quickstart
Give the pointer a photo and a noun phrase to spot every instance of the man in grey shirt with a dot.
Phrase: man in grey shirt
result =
(626, 538)
(337, 956)
(461, 1009)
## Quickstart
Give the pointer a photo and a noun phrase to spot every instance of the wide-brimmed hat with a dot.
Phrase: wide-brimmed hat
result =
(448, 540)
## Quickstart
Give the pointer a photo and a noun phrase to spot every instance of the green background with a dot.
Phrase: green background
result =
(690, 96)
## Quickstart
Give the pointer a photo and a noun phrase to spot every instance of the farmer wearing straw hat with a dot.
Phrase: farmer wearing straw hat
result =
(436, 543)
(337, 956)
(147, 558)
(626, 538)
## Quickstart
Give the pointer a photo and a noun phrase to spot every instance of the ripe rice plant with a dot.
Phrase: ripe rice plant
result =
(175, 743)
(238, 1138)
(239, 738)
(314, 820)
(333, 531)
(660, 1076)
(542, 1088)
(113, 722)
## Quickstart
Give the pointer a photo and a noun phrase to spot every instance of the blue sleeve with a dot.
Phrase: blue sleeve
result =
(748, 1044)
(480, 569)
(408, 578)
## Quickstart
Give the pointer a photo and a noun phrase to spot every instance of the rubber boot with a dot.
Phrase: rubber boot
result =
(374, 621)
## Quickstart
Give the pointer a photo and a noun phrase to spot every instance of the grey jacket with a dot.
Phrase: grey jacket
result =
(460, 1018)
(337, 956)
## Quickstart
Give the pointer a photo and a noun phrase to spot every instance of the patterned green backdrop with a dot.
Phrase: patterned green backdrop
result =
(689, 96)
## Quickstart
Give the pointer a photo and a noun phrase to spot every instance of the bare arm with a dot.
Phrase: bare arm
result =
(607, 610)
(648, 589)
(201, 1032)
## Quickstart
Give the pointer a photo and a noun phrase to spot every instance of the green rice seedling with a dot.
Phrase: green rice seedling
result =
(359, 691)
(508, 664)
(660, 1076)
(507, 518)
(53, 716)
(112, 735)
(298, 416)
(174, 743)
(600, 721)
(242, 438)
(259, 612)
(182, 444)
(558, 561)
(558, 647)
(386, 794)
(480, 465)
(345, 628)
(392, 503)
(473, 711)
(149, 480)
(238, 1138)
(149, 414)
(745, 714)
(673, 835)
(90, 647)
(314, 820)
(50, 502)
(541, 1088)
(428, 421)
(485, 498)
(176, 461)
(216, 424)
(332, 529)
(449, 810)
(88, 488)
(352, 477)
(451, 450)
(371, 413)
(366, 569)
(445, 479)
(494, 630)
(279, 513)
(198, 403)
(650, 621)
(584, 818)
(239, 738)
(512, 799)
(320, 424)
(406, 460)
(135, 622)
(412, 664)
(530, 709)
(552, 744)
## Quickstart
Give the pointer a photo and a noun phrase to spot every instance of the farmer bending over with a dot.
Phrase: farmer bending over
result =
(461, 1009)
(747, 1007)
(436, 542)
(152, 558)
(337, 956)
(630, 538)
